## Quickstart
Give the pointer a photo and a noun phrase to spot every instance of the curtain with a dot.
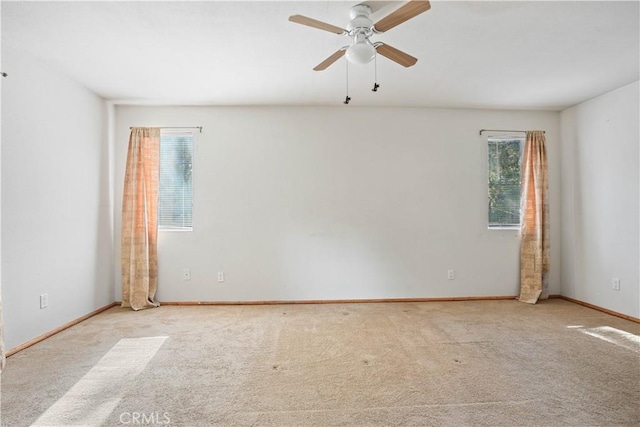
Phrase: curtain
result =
(140, 220)
(534, 220)
(2, 357)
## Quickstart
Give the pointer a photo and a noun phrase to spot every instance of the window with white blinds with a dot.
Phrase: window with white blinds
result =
(504, 156)
(175, 198)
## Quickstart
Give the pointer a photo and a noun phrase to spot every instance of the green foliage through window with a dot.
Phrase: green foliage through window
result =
(504, 159)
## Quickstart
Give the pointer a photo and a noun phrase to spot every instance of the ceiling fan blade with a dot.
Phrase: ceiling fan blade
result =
(395, 55)
(310, 22)
(407, 11)
(330, 60)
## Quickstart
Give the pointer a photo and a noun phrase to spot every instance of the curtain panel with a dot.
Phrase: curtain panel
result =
(139, 255)
(534, 221)
(2, 351)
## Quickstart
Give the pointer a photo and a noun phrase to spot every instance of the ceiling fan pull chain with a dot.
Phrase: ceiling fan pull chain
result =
(375, 74)
(347, 98)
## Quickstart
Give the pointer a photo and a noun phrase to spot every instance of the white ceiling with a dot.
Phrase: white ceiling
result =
(477, 54)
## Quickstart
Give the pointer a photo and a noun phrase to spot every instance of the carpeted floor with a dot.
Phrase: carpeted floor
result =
(476, 363)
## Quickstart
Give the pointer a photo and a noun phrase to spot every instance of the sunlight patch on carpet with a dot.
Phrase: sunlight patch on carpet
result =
(94, 397)
(615, 336)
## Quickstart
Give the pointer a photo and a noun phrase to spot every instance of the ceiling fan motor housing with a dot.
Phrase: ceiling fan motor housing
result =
(361, 50)
(360, 20)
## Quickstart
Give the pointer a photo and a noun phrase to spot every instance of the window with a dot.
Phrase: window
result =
(504, 154)
(175, 199)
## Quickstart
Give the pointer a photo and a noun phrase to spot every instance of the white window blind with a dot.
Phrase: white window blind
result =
(175, 199)
(504, 161)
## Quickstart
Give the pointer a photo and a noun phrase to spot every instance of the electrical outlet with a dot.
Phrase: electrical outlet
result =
(615, 284)
(451, 274)
(44, 301)
(186, 274)
(220, 276)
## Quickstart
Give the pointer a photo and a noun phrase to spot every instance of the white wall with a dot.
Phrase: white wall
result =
(56, 236)
(2, 339)
(600, 206)
(339, 203)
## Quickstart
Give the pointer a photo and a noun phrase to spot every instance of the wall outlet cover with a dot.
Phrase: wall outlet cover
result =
(615, 283)
(44, 301)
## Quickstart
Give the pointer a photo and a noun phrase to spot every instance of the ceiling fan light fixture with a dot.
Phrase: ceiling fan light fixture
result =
(360, 53)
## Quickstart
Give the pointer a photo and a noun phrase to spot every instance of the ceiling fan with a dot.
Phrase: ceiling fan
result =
(362, 50)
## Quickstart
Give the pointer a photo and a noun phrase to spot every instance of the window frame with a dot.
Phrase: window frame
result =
(486, 137)
(192, 134)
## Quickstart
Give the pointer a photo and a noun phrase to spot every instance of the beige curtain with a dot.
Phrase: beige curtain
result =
(2, 357)
(534, 221)
(140, 220)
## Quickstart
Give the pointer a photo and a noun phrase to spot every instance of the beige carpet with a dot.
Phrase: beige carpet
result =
(477, 363)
